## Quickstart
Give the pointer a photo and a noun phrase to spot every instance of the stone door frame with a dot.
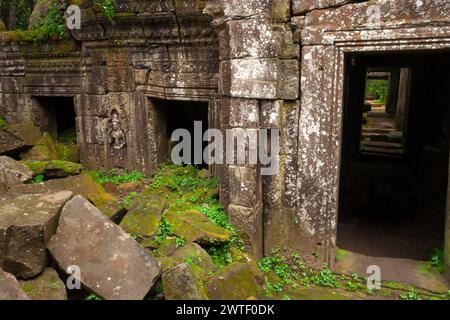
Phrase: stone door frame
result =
(321, 120)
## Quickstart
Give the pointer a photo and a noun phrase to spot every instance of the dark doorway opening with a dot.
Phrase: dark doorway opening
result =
(57, 117)
(395, 154)
(173, 115)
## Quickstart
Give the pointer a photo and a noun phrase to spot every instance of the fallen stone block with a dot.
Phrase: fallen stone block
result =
(10, 288)
(112, 264)
(9, 143)
(181, 283)
(235, 282)
(196, 227)
(26, 225)
(54, 169)
(12, 173)
(144, 216)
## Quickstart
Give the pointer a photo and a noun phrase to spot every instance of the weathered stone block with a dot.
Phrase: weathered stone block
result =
(244, 113)
(302, 6)
(10, 288)
(281, 10)
(249, 222)
(115, 266)
(254, 78)
(271, 113)
(12, 173)
(238, 8)
(181, 283)
(26, 225)
(253, 38)
(289, 81)
(236, 282)
(243, 185)
(196, 227)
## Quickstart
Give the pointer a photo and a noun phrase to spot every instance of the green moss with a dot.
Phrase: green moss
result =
(341, 254)
(67, 152)
(3, 123)
(114, 177)
(41, 167)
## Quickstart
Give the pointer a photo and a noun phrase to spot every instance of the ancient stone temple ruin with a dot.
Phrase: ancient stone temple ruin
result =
(300, 66)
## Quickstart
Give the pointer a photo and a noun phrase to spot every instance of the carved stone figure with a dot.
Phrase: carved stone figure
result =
(116, 135)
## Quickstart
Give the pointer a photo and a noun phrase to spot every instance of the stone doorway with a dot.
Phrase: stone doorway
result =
(394, 158)
(170, 115)
(56, 116)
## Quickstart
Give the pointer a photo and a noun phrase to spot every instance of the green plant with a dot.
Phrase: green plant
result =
(220, 255)
(410, 295)
(92, 297)
(352, 286)
(52, 25)
(129, 198)
(165, 230)
(325, 278)
(180, 242)
(39, 178)
(108, 9)
(113, 177)
(438, 261)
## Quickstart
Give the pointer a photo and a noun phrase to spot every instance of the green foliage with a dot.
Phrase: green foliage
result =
(92, 297)
(129, 198)
(410, 295)
(165, 230)
(39, 178)
(182, 179)
(216, 213)
(438, 261)
(221, 255)
(51, 26)
(113, 177)
(180, 242)
(108, 9)
(3, 123)
(22, 10)
(325, 278)
(289, 272)
(378, 89)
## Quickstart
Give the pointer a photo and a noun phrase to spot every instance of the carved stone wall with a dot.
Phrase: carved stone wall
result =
(262, 64)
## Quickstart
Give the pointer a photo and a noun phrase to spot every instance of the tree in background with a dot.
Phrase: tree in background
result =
(377, 89)
(16, 13)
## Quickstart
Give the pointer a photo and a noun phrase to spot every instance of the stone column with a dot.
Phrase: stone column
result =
(259, 70)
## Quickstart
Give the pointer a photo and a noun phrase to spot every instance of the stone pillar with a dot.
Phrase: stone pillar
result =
(403, 97)
(259, 71)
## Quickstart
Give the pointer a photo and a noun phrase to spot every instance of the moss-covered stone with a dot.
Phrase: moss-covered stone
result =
(196, 227)
(181, 283)
(47, 286)
(192, 254)
(107, 204)
(144, 216)
(44, 150)
(68, 152)
(28, 132)
(54, 168)
(82, 184)
(235, 282)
